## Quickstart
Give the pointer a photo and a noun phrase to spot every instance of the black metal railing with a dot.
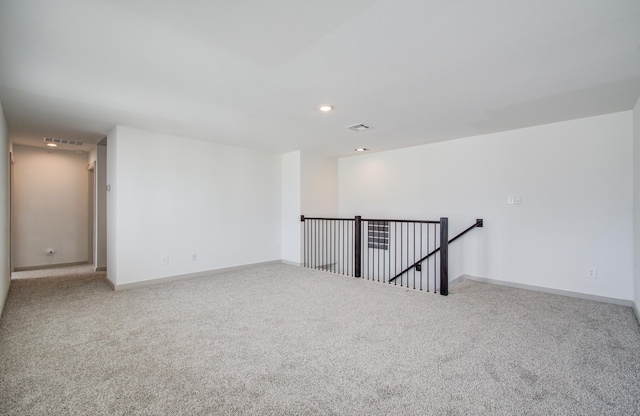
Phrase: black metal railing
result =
(479, 224)
(329, 244)
(399, 252)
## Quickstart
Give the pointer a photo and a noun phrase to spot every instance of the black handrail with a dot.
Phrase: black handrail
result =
(409, 221)
(303, 218)
(479, 224)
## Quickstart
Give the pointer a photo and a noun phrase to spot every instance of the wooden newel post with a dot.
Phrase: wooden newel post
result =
(444, 256)
(357, 238)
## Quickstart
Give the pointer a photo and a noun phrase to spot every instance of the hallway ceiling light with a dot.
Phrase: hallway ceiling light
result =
(361, 149)
(326, 108)
(62, 141)
(52, 145)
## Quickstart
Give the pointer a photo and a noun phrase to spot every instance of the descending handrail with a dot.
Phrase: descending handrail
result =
(479, 224)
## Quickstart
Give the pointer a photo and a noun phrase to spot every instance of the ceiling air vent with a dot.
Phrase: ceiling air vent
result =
(62, 141)
(358, 127)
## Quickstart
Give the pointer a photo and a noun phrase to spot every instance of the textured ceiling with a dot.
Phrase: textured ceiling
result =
(252, 73)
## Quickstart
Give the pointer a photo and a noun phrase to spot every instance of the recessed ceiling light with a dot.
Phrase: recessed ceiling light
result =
(325, 108)
(361, 149)
(52, 145)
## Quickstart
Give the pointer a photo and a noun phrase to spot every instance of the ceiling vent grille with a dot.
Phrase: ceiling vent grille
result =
(358, 127)
(62, 141)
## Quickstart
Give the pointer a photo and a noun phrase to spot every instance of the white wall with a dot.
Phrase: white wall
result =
(51, 207)
(98, 155)
(112, 205)
(309, 187)
(173, 196)
(575, 181)
(291, 211)
(5, 272)
(636, 202)
(319, 185)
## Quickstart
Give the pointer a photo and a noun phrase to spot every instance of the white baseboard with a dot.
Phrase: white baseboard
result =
(636, 312)
(168, 279)
(49, 266)
(568, 293)
(455, 282)
(109, 282)
(291, 263)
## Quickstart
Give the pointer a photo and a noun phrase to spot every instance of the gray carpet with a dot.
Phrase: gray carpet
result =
(81, 269)
(281, 340)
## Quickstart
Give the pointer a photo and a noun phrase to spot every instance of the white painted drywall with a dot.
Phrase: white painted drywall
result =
(575, 181)
(636, 202)
(173, 196)
(112, 205)
(5, 166)
(50, 202)
(319, 185)
(100, 245)
(291, 211)
(98, 155)
(309, 187)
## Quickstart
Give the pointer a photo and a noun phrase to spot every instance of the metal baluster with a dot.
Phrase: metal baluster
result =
(323, 249)
(384, 253)
(421, 254)
(341, 247)
(351, 245)
(336, 247)
(407, 256)
(428, 260)
(394, 248)
(413, 260)
(435, 259)
(401, 248)
(314, 227)
(333, 246)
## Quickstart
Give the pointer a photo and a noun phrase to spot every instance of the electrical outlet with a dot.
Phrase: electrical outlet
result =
(164, 260)
(592, 273)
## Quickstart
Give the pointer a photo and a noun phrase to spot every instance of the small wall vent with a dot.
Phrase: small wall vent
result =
(378, 235)
(62, 141)
(358, 127)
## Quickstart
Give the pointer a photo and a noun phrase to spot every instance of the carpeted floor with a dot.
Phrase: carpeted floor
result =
(282, 340)
(69, 271)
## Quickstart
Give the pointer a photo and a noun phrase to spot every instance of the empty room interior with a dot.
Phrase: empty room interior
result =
(340, 207)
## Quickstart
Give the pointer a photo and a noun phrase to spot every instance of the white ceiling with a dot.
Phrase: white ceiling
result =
(252, 73)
